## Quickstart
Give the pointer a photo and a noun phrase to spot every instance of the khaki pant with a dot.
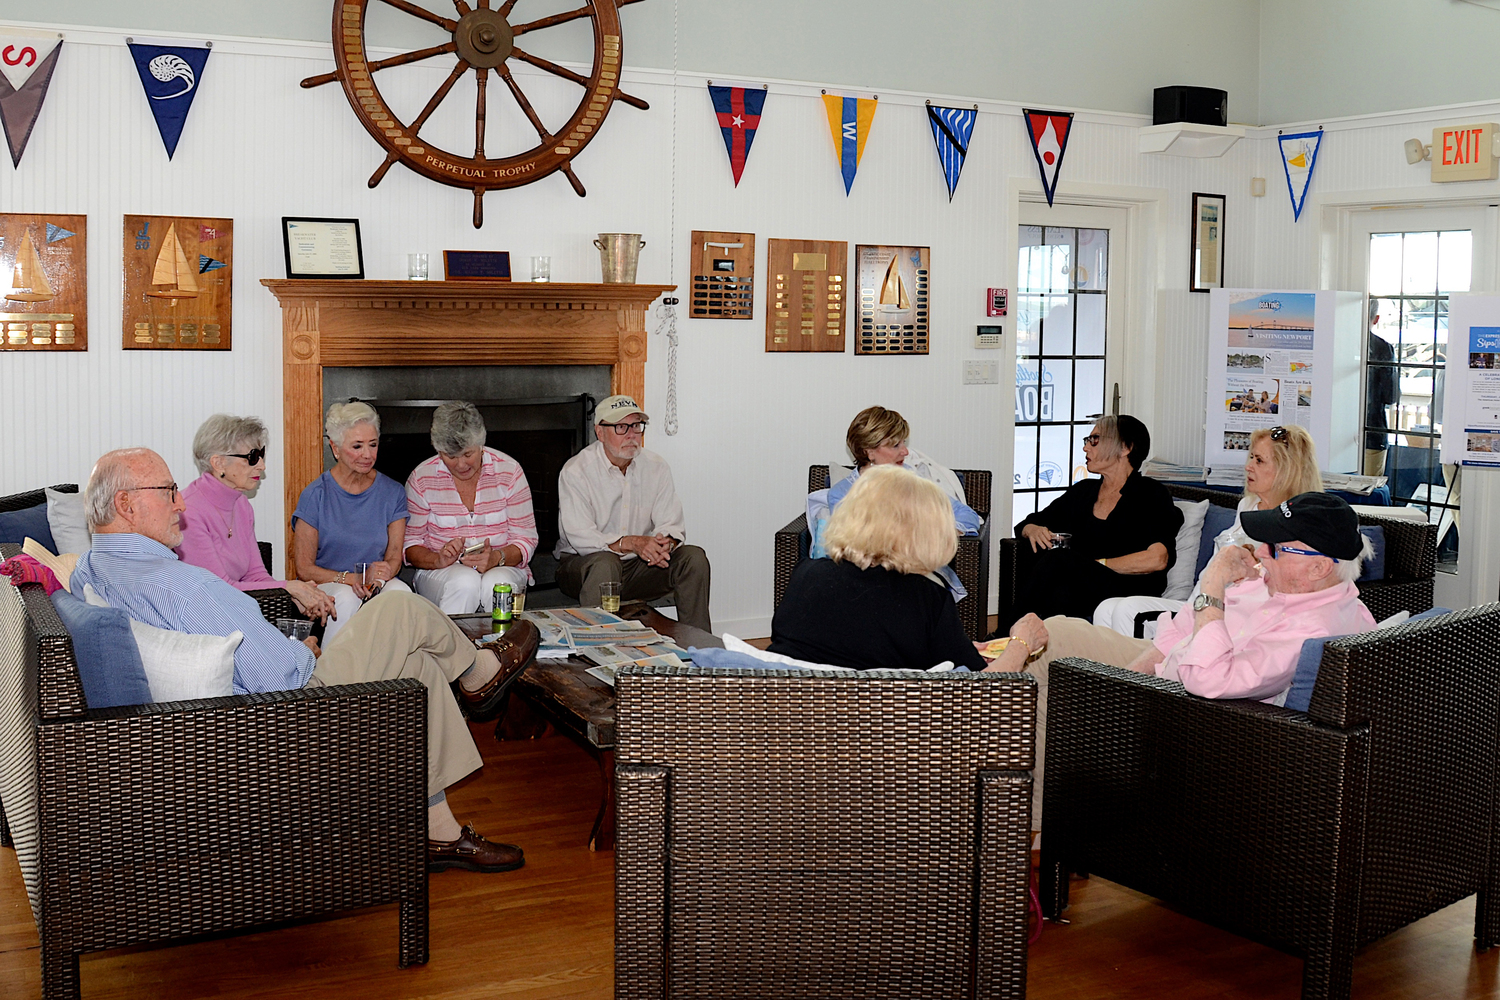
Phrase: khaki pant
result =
(398, 634)
(1374, 461)
(1072, 637)
(687, 576)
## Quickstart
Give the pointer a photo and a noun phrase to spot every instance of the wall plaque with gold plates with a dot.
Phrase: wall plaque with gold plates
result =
(893, 296)
(178, 273)
(723, 276)
(805, 302)
(44, 266)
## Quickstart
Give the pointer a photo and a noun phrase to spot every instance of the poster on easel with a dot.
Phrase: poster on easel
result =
(1471, 407)
(1282, 358)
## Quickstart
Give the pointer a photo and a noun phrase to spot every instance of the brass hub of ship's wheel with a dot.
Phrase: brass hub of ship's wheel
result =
(484, 41)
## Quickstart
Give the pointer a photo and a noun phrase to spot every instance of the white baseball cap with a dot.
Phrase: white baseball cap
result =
(613, 409)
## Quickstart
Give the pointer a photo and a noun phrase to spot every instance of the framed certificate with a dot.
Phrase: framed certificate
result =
(1207, 257)
(322, 248)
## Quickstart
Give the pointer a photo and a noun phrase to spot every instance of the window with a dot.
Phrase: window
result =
(1411, 275)
(1061, 305)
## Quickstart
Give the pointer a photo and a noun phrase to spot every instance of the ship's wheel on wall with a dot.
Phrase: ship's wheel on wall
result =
(484, 41)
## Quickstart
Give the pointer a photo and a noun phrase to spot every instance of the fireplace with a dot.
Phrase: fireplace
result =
(442, 340)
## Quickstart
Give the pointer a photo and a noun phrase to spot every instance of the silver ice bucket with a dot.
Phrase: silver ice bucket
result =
(618, 255)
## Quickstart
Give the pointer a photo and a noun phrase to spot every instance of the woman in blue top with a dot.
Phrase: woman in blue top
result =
(349, 515)
(878, 436)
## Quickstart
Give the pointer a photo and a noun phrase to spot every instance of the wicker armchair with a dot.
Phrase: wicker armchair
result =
(155, 823)
(789, 834)
(971, 562)
(1410, 561)
(1316, 832)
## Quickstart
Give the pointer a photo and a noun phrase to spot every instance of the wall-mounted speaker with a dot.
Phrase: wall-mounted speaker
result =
(1198, 105)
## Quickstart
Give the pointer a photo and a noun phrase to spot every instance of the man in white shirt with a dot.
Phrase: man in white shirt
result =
(619, 519)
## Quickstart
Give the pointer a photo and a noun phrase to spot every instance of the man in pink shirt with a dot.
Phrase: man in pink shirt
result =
(1242, 636)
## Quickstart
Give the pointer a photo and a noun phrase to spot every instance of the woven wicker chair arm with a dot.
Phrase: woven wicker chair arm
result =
(794, 527)
(382, 691)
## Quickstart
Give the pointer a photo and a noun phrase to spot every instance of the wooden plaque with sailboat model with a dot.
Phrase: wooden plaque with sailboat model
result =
(44, 268)
(178, 273)
(893, 299)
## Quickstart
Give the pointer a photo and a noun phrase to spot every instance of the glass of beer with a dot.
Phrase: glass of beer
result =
(609, 596)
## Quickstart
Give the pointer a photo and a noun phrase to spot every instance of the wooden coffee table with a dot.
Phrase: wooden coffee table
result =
(583, 706)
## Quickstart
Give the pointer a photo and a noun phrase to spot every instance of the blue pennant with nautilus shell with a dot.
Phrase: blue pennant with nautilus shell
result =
(171, 75)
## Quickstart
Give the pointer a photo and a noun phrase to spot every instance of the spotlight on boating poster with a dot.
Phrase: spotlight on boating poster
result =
(1282, 358)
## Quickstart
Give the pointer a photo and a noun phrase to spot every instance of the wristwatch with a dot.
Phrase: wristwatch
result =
(1204, 601)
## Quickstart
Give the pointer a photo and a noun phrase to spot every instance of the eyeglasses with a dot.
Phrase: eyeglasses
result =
(621, 430)
(1092, 440)
(1275, 549)
(255, 455)
(1279, 433)
(171, 491)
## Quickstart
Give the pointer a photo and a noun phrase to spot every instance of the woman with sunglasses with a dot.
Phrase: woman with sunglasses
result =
(1283, 463)
(1120, 530)
(218, 526)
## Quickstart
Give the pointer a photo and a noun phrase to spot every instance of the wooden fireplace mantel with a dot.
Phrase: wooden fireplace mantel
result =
(357, 324)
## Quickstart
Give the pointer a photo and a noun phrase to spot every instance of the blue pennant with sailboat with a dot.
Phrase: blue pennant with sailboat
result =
(951, 129)
(171, 75)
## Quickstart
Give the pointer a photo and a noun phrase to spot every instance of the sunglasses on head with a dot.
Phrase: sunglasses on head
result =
(1279, 433)
(252, 457)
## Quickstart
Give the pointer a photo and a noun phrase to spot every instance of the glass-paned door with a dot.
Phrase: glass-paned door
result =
(1063, 378)
(1411, 275)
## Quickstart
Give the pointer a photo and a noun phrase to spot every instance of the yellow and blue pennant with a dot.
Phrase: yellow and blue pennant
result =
(849, 120)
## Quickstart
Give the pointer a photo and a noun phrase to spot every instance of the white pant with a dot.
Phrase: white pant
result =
(461, 590)
(346, 604)
(1118, 613)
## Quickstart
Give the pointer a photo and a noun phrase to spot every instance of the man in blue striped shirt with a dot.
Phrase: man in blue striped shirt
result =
(133, 508)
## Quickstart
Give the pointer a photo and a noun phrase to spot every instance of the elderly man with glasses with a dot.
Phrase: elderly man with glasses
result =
(619, 520)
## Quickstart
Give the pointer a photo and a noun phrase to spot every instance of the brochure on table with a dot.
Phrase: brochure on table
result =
(1471, 403)
(1283, 357)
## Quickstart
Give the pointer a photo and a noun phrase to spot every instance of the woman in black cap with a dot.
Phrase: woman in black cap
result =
(1118, 532)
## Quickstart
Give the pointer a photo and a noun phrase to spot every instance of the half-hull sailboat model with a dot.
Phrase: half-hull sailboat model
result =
(30, 282)
(173, 271)
(893, 290)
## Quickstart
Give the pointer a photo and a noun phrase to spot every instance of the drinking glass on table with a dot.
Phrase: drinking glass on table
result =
(294, 628)
(609, 596)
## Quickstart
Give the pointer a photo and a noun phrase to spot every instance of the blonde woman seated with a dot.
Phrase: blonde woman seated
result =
(878, 436)
(876, 602)
(349, 516)
(464, 494)
(1283, 463)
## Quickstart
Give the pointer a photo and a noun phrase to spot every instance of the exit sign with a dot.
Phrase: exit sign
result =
(1464, 153)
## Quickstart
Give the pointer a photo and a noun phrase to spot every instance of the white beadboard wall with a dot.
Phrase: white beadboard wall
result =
(257, 147)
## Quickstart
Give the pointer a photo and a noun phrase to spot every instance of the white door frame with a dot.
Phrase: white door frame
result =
(1341, 219)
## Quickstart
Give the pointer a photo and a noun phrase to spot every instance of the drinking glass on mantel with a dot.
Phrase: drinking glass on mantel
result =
(541, 268)
(416, 267)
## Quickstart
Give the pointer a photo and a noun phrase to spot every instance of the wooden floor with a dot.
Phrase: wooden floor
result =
(547, 931)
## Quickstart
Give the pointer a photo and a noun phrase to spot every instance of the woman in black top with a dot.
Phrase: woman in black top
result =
(876, 602)
(1123, 527)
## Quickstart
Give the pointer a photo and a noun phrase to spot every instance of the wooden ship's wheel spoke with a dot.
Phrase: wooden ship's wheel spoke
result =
(483, 40)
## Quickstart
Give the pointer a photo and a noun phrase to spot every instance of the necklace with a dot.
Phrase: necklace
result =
(228, 521)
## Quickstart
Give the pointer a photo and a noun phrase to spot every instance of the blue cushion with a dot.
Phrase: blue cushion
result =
(18, 525)
(1300, 695)
(109, 664)
(1215, 520)
(1374, 567)
(729, 659)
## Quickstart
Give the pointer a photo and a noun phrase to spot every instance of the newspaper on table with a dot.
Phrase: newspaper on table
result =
(1358, 485)
(569, 631)
(1171, 472)
(606, 672)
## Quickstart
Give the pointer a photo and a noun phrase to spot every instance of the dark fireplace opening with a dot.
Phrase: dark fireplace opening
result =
(540, 433)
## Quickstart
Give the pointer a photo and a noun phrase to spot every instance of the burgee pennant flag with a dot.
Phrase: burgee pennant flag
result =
(849, 120)
(171, 75)
(1049, 132)
(1299, 154)
(951, 129)
(27, 60)
(738, 110)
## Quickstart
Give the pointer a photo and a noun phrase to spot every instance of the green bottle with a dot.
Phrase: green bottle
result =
(502, 609)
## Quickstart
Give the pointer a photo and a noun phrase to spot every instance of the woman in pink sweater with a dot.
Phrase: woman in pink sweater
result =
(218, 527)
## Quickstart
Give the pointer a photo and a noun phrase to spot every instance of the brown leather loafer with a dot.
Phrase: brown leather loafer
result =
(472, 852)
(515, 651)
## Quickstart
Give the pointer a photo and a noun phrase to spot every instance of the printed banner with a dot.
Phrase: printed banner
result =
(171, 75)
(738, 110)
(1299, 154)
(951, 129)
(1471, 415)
(26, 63)
(1049, 131)
(849, 121)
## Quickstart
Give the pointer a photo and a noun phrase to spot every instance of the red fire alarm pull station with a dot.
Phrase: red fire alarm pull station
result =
(996, 301)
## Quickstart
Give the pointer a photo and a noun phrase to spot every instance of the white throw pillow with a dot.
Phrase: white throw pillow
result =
(70, 528)
(181, 666)
(1180, 576)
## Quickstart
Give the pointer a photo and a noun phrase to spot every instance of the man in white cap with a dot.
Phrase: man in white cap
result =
(619, 519)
